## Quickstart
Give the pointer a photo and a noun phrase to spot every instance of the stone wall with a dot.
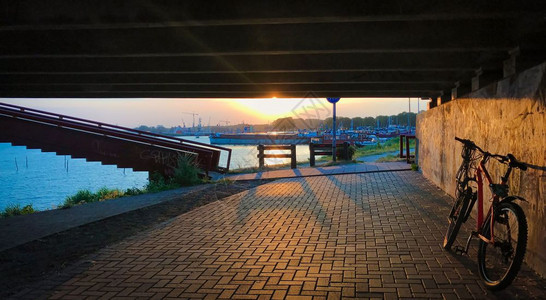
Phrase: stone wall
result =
(506, 117)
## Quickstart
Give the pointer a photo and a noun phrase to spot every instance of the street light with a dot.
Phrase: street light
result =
(333, 101)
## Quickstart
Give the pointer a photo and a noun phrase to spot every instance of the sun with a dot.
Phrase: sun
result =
(265, 109)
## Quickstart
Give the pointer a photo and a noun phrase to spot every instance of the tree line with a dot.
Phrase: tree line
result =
(289, 123)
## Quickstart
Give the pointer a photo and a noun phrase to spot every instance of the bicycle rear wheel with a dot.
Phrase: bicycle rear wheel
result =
(499, 263)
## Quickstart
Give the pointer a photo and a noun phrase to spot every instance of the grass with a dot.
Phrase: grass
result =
(225, 181)
(85, 196)
(16, 210)
(390, 145)
(390, 158)
(330, 163)
(185, 174)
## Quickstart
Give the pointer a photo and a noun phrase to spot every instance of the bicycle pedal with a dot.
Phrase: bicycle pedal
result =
(460, 250)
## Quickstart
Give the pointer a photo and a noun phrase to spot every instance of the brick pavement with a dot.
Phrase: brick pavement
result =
(367, 167)
(18, 230)
(375, 235)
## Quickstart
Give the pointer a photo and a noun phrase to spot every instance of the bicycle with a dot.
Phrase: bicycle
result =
(503, 235)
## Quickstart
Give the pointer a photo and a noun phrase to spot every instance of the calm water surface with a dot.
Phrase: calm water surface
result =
(29, 176)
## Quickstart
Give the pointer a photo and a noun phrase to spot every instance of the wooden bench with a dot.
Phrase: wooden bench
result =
(326, 149)
(262, 155)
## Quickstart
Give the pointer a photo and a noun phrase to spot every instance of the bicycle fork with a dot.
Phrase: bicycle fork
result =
(464, 250)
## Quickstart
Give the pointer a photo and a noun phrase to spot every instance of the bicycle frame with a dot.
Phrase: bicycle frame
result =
(481, 172)
(501, 266)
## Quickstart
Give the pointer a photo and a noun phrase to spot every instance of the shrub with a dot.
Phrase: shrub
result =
(105, 194)
(83, 196)
(158, 183)
(187, 172)
(350, 152)
(133, 192)
(16, 210)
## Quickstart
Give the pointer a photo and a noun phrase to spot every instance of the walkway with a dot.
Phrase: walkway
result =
(18, 230)
(370, 235)
(321, 171)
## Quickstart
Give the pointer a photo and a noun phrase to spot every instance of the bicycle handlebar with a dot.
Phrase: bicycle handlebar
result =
(470, 144)
(512, 161)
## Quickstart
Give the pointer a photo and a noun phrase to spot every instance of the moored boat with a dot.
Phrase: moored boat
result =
(258, 139)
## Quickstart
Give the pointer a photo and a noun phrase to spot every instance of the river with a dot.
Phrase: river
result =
(29, 176)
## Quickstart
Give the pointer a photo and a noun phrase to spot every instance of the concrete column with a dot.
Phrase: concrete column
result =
(475, 85)
(509, 65)
(445, 97)
(454, 90)
(433, 102)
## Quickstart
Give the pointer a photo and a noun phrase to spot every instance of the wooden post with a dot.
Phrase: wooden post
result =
(408, 158)
(261, 161)
(311, 155)
(401, 146)
(293, 156)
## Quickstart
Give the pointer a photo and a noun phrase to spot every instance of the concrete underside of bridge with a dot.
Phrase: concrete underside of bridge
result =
(252, 49)
(444, 50)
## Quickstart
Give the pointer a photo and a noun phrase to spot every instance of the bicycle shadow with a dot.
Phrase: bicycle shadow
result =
(535, 167)
(523, 287)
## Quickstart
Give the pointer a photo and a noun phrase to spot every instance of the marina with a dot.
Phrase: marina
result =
(259, 139)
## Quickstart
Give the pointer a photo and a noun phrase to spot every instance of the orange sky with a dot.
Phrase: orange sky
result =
(171, 112)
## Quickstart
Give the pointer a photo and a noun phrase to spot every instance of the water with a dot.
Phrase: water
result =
(29, 176)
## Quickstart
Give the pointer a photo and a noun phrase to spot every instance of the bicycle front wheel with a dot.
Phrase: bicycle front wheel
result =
(499, 263)
(455, 220)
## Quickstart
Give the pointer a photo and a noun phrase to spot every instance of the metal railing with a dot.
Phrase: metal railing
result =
(209, 155)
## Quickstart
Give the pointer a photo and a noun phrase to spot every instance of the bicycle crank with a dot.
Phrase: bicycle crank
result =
(464, 250)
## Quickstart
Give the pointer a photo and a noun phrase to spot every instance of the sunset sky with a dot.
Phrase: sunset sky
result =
(172, 112)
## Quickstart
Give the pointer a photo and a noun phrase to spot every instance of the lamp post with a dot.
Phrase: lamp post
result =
(409, 111)
(333, 101)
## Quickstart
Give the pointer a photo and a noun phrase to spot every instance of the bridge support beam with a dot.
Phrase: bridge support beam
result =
(509, 65)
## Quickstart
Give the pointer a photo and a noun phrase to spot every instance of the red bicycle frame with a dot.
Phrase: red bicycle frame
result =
(479, 179)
